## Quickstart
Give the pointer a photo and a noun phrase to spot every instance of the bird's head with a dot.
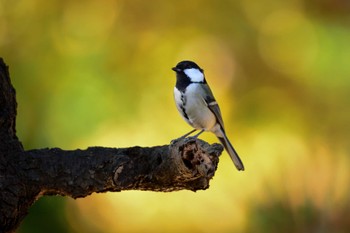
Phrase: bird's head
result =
(189, 70)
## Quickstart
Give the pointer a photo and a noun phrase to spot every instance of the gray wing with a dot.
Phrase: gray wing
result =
(212, 104)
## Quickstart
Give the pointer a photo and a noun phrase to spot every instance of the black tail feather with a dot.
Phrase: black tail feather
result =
(232, 152)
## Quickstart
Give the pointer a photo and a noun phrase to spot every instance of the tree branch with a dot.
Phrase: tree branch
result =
(186, 164)
(26, 175)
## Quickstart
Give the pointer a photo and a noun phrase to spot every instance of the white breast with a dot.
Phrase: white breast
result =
(200, 116)
(179, 104)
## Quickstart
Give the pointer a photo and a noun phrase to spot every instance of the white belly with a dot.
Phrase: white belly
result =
(199, 115)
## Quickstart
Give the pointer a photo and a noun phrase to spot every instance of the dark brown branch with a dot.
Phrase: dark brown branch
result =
(186, 164)
(27, 175)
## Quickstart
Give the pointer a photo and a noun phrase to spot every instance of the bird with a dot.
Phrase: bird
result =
(197, 106)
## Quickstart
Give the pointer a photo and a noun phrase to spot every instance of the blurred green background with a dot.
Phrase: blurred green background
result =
(97, 73)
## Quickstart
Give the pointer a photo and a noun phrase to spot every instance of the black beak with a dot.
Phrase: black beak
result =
(176, 69)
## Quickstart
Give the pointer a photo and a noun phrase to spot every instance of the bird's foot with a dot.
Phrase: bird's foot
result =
(190, 139)
(184, 138)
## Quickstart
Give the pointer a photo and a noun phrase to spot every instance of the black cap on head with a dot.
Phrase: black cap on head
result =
(186, 65)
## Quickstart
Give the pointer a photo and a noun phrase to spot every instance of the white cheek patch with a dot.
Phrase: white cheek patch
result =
(194, 74)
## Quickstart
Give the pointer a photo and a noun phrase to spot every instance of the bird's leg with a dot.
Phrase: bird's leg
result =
(190, 138)
(182, 137)
(192, 131)
(194, 138)
(200, 132)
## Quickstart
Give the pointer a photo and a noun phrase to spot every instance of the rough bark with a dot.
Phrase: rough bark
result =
(26, 175)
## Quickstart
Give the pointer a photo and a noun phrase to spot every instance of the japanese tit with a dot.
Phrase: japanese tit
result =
(198, 107)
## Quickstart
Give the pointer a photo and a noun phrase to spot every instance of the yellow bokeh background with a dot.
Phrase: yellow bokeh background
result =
(98, 73)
